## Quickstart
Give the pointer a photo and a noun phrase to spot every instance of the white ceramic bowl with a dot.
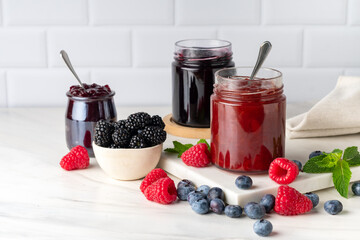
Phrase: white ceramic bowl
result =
(127, 163)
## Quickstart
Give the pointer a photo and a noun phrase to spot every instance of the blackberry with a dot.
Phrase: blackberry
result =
(121, 137)
(157, 121)
(154, 135)
(137, 142)
(137, 121)
(119, 124)
(103, 132)
(113, 145)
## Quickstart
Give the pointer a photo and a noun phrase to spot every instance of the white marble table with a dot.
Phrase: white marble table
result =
(39, 200)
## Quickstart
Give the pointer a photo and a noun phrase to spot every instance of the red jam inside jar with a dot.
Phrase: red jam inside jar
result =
(247, 120)
(85, 107)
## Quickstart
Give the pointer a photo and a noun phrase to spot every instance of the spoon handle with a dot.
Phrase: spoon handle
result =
(263, 53)
(69, 65)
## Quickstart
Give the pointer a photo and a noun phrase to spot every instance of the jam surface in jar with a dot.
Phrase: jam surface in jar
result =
(248, 122)
(85, 107)
(193, 70)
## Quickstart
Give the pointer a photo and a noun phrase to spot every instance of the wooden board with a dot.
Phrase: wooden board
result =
(298, 149)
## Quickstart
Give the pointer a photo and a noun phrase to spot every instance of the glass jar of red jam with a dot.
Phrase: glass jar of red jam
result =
(247, 119)
(84, 110)
(193, 79)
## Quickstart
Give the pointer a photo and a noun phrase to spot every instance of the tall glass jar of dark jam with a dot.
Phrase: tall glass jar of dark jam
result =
(248, 119)
(193, 70)
(81, 116)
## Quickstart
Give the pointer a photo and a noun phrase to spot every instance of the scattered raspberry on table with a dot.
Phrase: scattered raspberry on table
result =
(197, 156)
(77, 158)
(283, 171)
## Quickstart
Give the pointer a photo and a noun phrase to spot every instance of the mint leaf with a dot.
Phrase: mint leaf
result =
(336, 152)
(341, 177)
(178, 148)
(312, 166)
(330, 160)
(352, 156)
(204, 141)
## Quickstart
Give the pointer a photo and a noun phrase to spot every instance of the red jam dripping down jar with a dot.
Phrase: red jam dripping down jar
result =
(82, 113)
(247, 120)
(193, 79)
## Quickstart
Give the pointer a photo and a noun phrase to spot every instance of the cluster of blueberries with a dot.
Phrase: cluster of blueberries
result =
(205, 199)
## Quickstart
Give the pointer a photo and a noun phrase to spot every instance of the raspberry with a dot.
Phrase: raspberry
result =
(290, 202)
(197, 156)
(162, 191)
(77, 158)
(152, 177)
(283, 171)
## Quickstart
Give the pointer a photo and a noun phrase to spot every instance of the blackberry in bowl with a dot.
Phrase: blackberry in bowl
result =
(130, 148)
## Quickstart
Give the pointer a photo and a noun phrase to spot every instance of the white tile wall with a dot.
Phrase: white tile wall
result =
(22, 48)
(41, 87)
(3, 97)
(332, 47)
(111, 12)
(246, 44)
(91, 48)
(45, 12)
(139, 87)
(130, 44)
(305, 11)
(354, 12)
(212, 12)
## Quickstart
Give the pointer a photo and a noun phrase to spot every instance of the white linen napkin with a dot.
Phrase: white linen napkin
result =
(336, 114)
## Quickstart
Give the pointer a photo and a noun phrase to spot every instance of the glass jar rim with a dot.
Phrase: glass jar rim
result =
(182, 43)
(91, 98)
(217, 74)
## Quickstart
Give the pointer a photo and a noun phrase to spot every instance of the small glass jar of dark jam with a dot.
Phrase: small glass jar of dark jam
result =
(193, 70)
(83, 111)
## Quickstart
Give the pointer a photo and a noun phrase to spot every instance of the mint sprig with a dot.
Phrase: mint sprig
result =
(339, 167)
(180, 148)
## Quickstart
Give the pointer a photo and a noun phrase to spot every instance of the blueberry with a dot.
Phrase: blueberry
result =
(254, 210)
(333, 207)
(204, 189)
(200, 206)
(356, 188)
(263, 227)
(313, 197)
(268, 201)
(243, 182)
(215, 192)
(315, 154)
(185, 182)
(298, 163)
(217, 206)
(184, 188)
(233, 211)
(194, 196)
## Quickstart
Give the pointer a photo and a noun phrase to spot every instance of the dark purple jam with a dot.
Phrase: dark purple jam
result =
(193, 79)
(84, 109)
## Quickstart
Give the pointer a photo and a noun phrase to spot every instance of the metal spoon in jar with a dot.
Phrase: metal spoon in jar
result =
(66, 58)
(263, 53)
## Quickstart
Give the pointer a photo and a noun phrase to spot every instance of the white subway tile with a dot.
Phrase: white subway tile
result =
(90, 47)
(303, 85)
(131, 12)
(41, 87)
(155, 48)
(22, 48)
(45, 12)
(140, 87)
(210, 12)
(332, 47)
(286, 45)
(304, 11)
(354, 12)
(353, 72)
(3, 92)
